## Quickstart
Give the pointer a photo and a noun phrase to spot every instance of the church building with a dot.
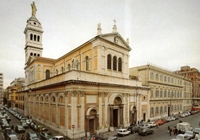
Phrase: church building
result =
(88, 90)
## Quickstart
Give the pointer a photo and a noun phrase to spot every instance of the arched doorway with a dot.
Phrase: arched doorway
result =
(92, 120)
(116, 112)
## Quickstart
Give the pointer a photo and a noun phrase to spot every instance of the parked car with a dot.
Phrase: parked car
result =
(7, 132)
(133, 129)
(123, 132)
(25, 125)
(152, 124)
(165, 120)
(19, 129)
(145, 131)
(112, 138)
(196, 130)
(159, 122)
(181, 137)
(144, 125)
(12, 137)
(62, 138)
(41, 128)
(182, 115)
(191, 134)
(46, 135)
(5, 125)
(32, 136)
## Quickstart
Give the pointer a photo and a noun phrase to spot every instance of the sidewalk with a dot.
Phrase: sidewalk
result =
(105, 135)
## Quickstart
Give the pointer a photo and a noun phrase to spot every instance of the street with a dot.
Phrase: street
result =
(15, 122)
(160, 133)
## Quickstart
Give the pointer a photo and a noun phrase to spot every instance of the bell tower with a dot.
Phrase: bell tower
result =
(33, 36)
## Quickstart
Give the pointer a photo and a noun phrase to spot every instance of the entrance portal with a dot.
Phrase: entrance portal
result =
(91, 125)
(115, 117)
(144, 117)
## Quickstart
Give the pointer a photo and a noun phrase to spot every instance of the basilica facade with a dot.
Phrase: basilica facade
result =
(87, 90)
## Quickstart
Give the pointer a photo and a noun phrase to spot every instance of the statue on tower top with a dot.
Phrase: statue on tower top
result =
(34, 9)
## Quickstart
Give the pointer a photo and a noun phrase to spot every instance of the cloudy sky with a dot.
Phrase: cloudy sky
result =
(165, 33)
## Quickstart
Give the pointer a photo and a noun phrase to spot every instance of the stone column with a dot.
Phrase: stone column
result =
(111, 116)
(87, 125)
(97, 121)
(106, 109)
(82, 118)
(100, 110)
(121, 114)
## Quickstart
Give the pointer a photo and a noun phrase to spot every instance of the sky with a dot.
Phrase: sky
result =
(164, 33)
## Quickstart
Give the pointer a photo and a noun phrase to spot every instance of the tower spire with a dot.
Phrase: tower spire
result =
(114, 27)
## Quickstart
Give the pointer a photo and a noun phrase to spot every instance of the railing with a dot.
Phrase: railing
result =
(85, 76)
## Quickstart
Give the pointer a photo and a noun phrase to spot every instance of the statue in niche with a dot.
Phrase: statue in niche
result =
(140, 76)
(74, 64)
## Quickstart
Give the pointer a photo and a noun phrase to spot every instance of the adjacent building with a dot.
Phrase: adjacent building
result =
(194, 75)
(14, 100)
(170, 92)
(1, 89)
(87, 90)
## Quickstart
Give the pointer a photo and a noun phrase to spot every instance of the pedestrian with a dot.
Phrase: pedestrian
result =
(22, 137)
(170, 131)
(12, 127)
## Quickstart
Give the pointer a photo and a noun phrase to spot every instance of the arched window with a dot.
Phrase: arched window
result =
(114, 63)
(46, 99)
(47, 74)
(38, 38)
(87, 63)
(53, 99)
(34, 37)
(119, 64)
(31, 54)
(61, 99)
(109, 62)
(56, 71)
(31, 36)
(38, 55)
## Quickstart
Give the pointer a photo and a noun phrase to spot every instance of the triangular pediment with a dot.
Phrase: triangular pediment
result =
(30, 60)
(115, 38)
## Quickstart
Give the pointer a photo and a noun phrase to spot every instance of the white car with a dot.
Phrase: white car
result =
(57, 138)
(191, 134)
(151, 124)
(181, 137)
(144, 125)
(123, 132)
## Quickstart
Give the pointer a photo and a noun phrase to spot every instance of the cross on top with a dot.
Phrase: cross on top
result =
(114, 21)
